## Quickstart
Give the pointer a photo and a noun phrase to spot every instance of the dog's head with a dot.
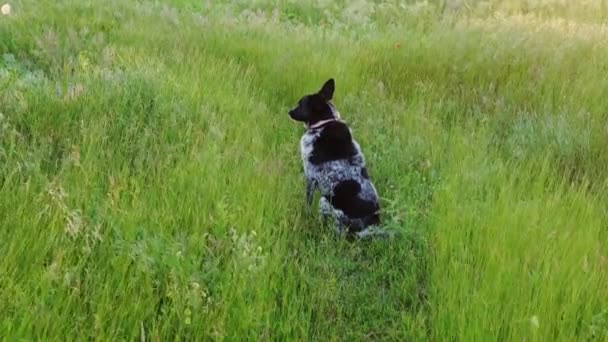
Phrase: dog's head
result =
(316, 107)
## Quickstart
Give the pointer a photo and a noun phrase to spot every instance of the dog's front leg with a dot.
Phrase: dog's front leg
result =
(311, 185)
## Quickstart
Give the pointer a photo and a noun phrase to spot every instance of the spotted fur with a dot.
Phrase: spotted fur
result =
(334, 165)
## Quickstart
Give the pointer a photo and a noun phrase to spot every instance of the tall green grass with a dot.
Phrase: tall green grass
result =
(151, 185)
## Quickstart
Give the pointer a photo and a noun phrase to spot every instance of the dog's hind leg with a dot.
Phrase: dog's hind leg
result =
(325, 208)
(329, 215)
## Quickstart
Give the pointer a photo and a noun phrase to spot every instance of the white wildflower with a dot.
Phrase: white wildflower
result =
(5, 9)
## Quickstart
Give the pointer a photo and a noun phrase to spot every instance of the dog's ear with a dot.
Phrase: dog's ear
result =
(327, 91)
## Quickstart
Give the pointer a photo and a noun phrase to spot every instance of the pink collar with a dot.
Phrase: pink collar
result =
(321, 123)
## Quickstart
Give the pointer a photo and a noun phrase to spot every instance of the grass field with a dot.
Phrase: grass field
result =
(151, 186)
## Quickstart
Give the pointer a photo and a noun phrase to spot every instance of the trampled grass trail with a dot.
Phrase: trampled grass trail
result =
(151, 186)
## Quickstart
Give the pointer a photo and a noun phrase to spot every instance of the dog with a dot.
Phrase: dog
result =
(334, 165)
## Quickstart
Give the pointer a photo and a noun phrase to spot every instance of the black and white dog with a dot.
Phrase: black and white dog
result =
(334, 164)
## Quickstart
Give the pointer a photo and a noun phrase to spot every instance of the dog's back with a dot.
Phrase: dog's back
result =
(334, 160)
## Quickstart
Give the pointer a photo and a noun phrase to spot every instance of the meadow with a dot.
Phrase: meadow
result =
(151, 185)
